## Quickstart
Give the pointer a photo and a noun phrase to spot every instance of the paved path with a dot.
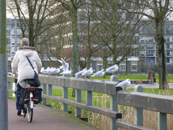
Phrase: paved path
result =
(45, 118)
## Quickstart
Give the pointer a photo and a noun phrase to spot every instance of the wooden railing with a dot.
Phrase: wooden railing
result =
(159, 103)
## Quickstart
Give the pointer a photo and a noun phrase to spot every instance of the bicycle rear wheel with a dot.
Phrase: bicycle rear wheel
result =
(30, 114)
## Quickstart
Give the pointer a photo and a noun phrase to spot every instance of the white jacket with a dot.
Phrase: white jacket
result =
(21, 64)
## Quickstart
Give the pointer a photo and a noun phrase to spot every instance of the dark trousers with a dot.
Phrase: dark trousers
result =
(18, 105)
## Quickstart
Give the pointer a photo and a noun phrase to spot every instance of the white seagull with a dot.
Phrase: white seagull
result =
(42, 70)
(61, 67)
(80, 72)
(112, 69)
(65, 67)
(99, 73)
(64, 64)
(88, 72)
(66, 73)
(55, 71)
(124, 84)
(46, 71)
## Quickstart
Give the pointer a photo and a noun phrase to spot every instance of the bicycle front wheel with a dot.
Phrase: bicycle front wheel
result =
(30, 114)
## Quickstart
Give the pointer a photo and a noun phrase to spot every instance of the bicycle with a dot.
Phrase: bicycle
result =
(30, 95)
(28, 107)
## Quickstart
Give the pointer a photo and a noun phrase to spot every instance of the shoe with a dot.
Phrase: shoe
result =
(19, 113)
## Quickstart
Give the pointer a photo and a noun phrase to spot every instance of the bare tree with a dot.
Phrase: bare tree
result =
(72, 7)
(88, 31)
(37, 19)
(117, 27)
(158, 11)
(34, 17)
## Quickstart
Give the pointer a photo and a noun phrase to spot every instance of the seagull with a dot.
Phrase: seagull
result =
(47, 70)
(61, 67)
(42, 70)
(66, 72)
(88, 72)
(112, 69)
(124, 84)
(80, 72)
(64, 64)
(55, 71)
(99, 74)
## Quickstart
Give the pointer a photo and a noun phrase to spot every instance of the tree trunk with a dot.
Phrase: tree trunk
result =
(89, 57)
(75, 40)
(159, 37)
(126, 66)
(104, 62)
(75, 43)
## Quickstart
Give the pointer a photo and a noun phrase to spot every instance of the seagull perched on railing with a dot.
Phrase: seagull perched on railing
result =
(80, 72)
(66, 71)
(112, 69)
(54, 71)
(87, 72)
(42, 70)
(99, 74)
(124, 84)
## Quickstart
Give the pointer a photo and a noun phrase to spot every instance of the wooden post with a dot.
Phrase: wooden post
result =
(44, 92)
(138, 112)
(113, 105)
(65, 96)
(78, 99)
(50, 90)
(162, 121)
(89, 98)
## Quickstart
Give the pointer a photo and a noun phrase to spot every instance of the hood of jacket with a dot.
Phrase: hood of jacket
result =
(27, 50)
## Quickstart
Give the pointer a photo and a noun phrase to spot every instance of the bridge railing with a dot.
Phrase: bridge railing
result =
(159, 103)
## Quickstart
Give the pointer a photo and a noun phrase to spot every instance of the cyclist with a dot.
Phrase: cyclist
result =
(21, 66)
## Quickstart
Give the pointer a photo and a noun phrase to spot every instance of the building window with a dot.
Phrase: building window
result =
(8, 40)
(110, 62)
(122, 66)
(167, 46)
(99, 63)
(168, 60)
(167, 39)
(133, 65)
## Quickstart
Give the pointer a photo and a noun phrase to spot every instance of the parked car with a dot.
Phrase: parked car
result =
(9, 73)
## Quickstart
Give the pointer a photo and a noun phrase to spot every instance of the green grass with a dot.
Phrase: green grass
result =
(58, 92)
(11, 96)
(135, 77)
(156, 91)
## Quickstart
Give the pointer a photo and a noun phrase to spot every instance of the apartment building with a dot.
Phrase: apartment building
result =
(14, 34)
(148, 48)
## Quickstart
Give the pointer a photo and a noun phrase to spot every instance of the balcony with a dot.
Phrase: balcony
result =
(150, 48)
(151, 55)
(142, 55)
(169, 55)
(169, 48)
